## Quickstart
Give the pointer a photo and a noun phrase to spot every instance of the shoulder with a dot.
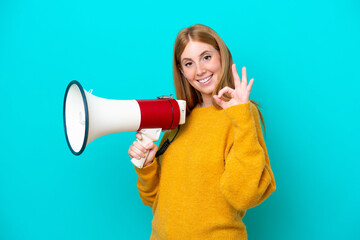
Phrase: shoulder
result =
(254, 109)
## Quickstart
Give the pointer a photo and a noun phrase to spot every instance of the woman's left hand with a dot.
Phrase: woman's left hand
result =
(240, 94)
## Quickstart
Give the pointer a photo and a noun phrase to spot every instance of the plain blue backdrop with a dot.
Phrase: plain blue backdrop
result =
(304, 56)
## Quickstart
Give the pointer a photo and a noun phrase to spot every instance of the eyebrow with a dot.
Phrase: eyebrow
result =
(199, 55)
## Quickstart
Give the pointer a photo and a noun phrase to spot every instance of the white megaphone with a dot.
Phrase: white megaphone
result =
(87, 117)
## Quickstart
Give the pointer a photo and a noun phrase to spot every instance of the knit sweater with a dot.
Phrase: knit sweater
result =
(215, 169)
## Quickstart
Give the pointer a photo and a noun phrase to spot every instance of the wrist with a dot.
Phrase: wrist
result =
(236, 103)
(147, 163)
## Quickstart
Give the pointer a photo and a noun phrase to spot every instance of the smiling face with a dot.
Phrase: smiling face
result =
(201, 66)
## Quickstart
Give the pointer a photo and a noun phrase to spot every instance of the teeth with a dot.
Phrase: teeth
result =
(205, 80)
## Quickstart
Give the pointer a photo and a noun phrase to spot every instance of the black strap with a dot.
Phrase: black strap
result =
(166, 144)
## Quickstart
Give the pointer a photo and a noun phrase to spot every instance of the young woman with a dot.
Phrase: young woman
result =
(217, 167)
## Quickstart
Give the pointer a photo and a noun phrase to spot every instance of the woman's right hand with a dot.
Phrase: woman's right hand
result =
(136, 150)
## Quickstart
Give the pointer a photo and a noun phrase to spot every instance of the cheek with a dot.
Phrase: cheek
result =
(189, 74)
(216, 65)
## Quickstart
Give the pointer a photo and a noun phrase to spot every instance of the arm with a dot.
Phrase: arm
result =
(148, 182)
(248, 179)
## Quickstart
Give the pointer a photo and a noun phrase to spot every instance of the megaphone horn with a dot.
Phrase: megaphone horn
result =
(87, 117)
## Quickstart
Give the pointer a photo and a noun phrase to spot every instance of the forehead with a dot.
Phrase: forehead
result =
(194, 49)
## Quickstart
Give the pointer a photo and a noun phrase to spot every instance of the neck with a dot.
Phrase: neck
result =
(207, 101)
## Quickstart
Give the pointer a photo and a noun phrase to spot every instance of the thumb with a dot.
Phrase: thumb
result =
(151, 155)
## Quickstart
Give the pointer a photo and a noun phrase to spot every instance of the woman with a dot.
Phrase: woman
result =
(217, 167)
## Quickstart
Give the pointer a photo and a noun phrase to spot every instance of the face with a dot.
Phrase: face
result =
(201, 66)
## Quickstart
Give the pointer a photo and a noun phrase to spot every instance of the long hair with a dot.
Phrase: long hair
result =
(184, 91)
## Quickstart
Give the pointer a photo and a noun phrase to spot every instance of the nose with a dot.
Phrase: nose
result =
(200, 70)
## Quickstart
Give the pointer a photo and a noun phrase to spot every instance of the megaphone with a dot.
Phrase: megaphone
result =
(88, 117)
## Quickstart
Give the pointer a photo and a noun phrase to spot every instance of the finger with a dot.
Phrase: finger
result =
(225, 90)
(138, 136)
(139, 146)
(149, 146)
(138, 151)
(219, 101)
(243, 79)
(236, 76)
(250, 85)
(152, 153)
(133, 154)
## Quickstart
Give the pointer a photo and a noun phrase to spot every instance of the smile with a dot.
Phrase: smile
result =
(205, 80)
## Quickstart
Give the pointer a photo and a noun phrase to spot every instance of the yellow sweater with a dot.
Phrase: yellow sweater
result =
(216, 168)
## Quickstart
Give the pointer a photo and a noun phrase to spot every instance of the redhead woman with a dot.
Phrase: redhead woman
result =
(217, 166)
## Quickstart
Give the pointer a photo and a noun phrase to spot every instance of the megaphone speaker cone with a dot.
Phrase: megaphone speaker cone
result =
(76, 117)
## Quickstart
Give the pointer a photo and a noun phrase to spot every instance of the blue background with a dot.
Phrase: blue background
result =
(304, 56)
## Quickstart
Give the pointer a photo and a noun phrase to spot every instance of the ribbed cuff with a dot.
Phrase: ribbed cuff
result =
(239, 113)
(148, 169)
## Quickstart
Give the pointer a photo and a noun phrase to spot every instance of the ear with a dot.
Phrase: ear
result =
(182, 72)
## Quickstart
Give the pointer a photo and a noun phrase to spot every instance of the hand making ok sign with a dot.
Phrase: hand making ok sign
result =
(240, 94)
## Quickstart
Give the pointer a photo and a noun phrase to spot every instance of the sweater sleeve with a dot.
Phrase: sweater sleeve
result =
(148, 179)
(248, 179)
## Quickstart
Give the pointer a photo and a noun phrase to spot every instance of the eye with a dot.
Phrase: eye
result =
(188, 64)
(207, 57)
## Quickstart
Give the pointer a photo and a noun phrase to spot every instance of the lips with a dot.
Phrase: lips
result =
(205, 81)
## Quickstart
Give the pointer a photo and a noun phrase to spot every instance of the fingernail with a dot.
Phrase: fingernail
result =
(149, 145)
